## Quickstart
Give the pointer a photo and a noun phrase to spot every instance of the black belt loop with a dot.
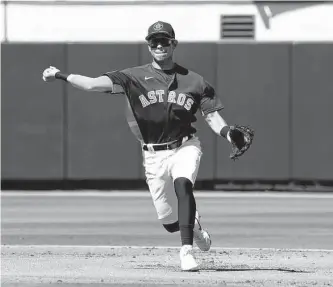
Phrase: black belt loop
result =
(167, 146)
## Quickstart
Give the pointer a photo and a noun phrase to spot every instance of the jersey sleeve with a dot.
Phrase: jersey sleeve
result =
(120, 78)
(209, 101)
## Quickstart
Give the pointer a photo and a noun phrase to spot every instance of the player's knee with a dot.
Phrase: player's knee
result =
(183, 186)
(173, 227)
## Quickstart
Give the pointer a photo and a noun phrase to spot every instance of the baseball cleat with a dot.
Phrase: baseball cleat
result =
(187, 260)
(201, 236)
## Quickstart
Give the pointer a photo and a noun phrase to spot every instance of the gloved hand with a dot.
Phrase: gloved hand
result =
(241, 138)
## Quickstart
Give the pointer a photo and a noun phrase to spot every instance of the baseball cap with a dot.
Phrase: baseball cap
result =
(161, 27)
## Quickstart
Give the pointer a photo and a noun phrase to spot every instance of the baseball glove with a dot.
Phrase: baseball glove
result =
(241, 139)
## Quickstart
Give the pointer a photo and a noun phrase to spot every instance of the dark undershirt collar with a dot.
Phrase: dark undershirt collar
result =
(168, 72)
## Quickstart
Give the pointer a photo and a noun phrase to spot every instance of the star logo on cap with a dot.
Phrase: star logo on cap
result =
(158, 26)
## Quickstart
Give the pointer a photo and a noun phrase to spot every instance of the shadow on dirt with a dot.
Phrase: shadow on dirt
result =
(253, 269)
(223, 269)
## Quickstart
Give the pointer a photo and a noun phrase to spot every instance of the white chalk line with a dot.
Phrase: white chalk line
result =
(145, 194)
(108, 247)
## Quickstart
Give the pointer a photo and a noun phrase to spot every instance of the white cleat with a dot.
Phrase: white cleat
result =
(201, 236)
(187, 260)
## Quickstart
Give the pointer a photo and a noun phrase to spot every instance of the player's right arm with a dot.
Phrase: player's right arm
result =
(99, 84)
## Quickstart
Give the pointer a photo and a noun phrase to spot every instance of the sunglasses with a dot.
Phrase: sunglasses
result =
(164, 42)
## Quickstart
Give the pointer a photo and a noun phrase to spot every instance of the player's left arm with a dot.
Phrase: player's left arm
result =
(210, 105)
(240, 137)
(218, 124)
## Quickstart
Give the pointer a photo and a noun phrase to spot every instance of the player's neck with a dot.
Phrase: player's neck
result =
(163, 65)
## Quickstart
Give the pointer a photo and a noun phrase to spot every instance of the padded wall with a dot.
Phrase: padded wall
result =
(253, 81)
(100, 143)
(312, 121)
(31, 112)
(54, 131)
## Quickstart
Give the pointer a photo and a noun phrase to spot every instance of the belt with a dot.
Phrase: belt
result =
(166, 146)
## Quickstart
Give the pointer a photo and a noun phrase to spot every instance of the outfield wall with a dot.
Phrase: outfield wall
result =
(51, 131)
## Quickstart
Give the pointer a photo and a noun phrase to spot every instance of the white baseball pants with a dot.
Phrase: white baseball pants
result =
(162, 168)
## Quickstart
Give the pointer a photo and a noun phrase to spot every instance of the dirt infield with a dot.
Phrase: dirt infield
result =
(76, 239)
(149, 266)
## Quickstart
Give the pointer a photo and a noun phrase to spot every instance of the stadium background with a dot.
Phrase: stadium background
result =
(54, 136)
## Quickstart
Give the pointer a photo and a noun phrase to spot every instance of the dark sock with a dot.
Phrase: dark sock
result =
(173, 227)
(186, 209)
(186, 234)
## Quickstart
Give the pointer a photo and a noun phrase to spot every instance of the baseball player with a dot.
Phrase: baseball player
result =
(163, 98)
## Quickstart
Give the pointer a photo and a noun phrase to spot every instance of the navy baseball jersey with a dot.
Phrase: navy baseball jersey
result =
(162, 104)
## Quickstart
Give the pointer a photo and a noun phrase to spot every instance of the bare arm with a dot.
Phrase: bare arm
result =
(218, 124)
(99, 84)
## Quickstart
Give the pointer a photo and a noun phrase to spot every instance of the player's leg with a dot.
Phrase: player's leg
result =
(186, 208)
(172, 227)
(161, 189)
(170, 220)
(171, 223)
(166, 205)
(186, 217)
(184, 169)
(201, 236)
